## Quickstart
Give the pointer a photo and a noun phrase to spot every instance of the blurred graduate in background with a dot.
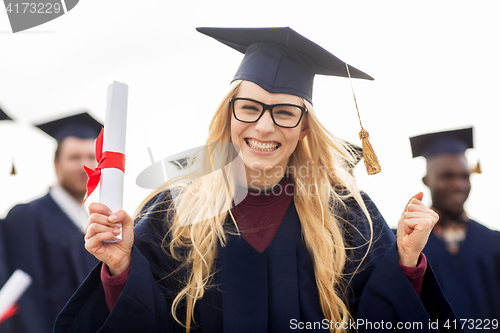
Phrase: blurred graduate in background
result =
(4, 276)
(464, 254)
(44, 237)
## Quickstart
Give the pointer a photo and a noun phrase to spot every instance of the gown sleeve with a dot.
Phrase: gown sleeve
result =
(113, 285)
(383, 299)
(145, 302)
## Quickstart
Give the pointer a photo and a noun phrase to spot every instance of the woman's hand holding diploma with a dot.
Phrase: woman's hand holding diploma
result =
(103, 226)
(414, 228)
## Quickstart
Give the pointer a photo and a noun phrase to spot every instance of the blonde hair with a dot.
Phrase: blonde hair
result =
(316, 199)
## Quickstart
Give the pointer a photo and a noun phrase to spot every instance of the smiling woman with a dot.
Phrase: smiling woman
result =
(265, 145)
(319, 253)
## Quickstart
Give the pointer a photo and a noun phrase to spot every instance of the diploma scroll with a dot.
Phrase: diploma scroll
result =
(13, 289)
(115, 124)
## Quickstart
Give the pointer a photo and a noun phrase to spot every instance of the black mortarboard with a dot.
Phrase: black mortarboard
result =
(446, 142)
(4, 116)
(355, 151)
(181, 163)
(280, 60)
(81, 125)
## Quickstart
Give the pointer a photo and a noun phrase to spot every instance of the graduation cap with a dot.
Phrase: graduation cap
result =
(356, 152)
(445, 142)
(4, 116)
(280, 60)
(81, 125)
(181, 163)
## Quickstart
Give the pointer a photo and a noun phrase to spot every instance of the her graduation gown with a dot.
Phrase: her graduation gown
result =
(272, 291)
(471, 278)
(40, 239)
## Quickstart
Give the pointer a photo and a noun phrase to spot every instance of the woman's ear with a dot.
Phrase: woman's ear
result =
(305, 129)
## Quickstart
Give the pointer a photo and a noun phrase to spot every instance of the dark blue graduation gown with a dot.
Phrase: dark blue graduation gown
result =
(471, 278)
(273, 291)
(40, 239)
(3, 268)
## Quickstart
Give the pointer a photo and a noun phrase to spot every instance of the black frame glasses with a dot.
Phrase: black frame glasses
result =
(267, 107)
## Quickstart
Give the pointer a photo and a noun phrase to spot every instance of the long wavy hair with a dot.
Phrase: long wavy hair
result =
(317, 198)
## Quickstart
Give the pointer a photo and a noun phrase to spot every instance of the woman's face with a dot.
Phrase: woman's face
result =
(266, 147)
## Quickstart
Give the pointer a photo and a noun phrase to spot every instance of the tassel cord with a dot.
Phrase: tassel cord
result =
(370, 158)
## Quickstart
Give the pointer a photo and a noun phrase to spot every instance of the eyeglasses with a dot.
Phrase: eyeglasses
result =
(250, 111)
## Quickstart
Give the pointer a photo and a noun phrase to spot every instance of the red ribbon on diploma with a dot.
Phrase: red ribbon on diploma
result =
(106, 160)
(9, 313)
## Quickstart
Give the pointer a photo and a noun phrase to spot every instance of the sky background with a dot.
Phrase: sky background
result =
(435, 65)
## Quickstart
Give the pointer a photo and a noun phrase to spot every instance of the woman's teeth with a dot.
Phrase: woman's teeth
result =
(262, 146)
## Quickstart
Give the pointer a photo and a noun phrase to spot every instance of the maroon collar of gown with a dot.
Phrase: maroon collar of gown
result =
(258, 226)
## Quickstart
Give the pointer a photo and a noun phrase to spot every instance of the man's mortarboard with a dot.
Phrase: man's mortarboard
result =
(280, 60)
(81, 125)
(446, 142)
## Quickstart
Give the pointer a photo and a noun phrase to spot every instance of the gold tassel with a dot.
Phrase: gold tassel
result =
(13, 169)
(477, 169)
(371, 161)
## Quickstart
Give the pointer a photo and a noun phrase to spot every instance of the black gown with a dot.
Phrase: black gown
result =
(3, 268)
(272, 291)
(471, 278)
(40, 239)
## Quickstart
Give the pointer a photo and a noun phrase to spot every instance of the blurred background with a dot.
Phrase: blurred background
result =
(435, 65)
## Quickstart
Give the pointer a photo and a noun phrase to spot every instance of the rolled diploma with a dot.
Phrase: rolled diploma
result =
(13, 289)
(115, 124)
